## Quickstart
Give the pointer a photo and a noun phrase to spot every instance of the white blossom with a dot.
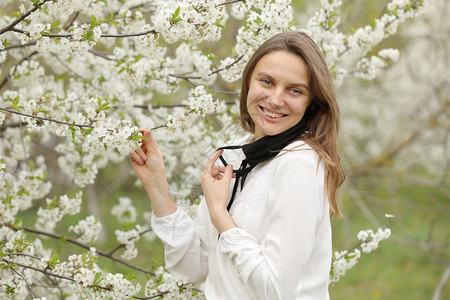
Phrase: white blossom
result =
(124, 211)
(87, 229)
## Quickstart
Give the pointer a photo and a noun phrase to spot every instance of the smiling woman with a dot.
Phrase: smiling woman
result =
(263, 230)
(278, 95)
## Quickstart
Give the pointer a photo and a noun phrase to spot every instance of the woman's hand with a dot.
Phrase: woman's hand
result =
(216, 188)
(147, 162)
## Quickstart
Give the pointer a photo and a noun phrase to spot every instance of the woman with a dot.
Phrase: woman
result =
(263, 231)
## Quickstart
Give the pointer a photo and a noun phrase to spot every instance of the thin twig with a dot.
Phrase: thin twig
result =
(30, 290)
(71, 21)
(229, 2)
(37, 269)
(22, 17)
(129, 239)
(76, 74)
(152, 297)
(100, 54)
(62, 122)
(77, 243)
(70, 35)
(45, 118)
(8, 75)
(99, 252)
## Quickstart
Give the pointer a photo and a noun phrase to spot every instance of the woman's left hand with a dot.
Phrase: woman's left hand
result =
(216, 188)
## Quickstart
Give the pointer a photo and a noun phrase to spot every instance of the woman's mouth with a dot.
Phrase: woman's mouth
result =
(271, 113)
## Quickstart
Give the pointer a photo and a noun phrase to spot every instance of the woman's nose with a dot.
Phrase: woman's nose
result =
(276, 98)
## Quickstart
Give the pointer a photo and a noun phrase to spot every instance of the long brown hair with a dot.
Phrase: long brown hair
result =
(322, 117)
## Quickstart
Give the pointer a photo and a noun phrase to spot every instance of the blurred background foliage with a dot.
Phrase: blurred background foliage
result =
(410, 265)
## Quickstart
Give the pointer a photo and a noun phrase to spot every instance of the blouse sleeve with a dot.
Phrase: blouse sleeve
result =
(185, 249)
(273, 267)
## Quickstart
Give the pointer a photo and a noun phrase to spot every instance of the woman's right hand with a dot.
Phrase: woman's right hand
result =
(147, 161)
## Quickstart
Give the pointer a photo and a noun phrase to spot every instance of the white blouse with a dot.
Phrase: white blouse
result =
(282, 246)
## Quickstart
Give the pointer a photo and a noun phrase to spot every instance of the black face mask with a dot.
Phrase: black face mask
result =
(262, 150)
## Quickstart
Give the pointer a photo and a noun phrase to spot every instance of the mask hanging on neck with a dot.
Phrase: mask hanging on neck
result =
(261, 150)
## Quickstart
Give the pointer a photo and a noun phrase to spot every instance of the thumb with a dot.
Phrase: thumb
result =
(228, 171)
(149, 141)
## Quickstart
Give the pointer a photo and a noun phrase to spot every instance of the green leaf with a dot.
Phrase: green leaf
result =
(94, 21)
(54, 260)
(138, 57)
(15, 101)
(72, 129)
(175, 16)
(130, 276)
(5, 43)
(97, 277)
(88, 35)
(54, 25)
(17, 223)
(176, 13)
(8, 199)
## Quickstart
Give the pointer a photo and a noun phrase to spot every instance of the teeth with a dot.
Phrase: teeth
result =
(272, 115)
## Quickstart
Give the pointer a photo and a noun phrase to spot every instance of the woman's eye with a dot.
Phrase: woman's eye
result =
(265, 81)
(296, 91)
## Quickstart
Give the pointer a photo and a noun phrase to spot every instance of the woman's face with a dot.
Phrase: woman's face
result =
(278, 93)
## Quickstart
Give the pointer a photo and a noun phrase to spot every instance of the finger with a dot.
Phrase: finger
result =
(213, 159)
(136, 158)
(140, 152)
(218, 170)
(144, 148)
(228, 171)
(150, 142)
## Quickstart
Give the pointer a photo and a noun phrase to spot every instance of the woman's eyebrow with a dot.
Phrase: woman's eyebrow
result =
(297, 84)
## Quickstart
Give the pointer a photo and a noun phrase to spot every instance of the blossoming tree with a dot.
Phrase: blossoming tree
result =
(78, 78)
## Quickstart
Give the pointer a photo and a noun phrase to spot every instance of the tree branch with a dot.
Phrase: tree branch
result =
(129, 239)
(30, 290)
(7, 76)
(69, 35)
(45, 118)
(37, 269)
(229, 2)
(79, 244)
(22, 17)
(62, 122)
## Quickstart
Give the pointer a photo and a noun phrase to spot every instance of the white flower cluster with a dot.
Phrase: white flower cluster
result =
(348, 50)
(188, 207)
(200, 102)
(2, 56)
(345, 260)
(87, 229)
(2, 170)
(269, 18)
(370, 240)
(56, 210)
(128, 238)
(190, 20)
(168, 286)
(19, 191)
(17, 250)
(125, 212)
(369, 68)
(96, 284)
